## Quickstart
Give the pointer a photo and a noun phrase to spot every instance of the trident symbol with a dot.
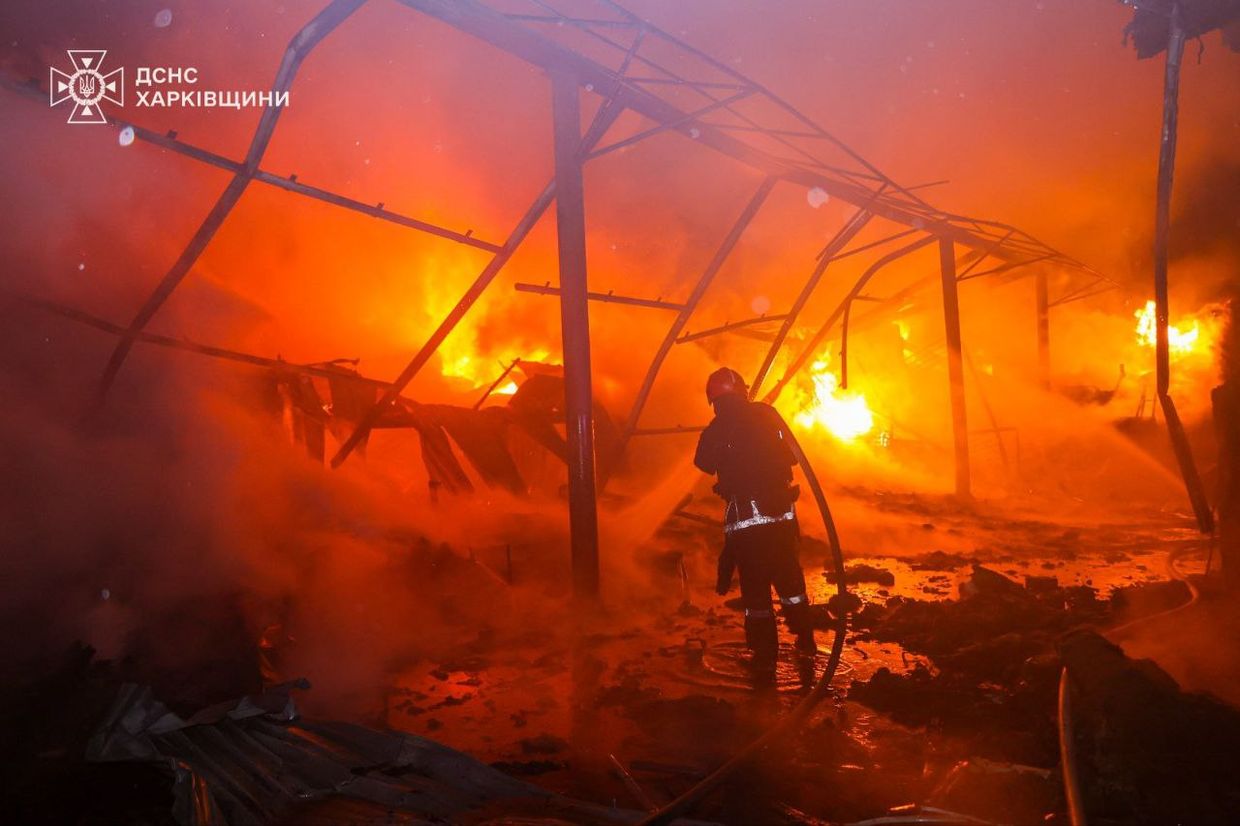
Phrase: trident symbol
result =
(87, 87)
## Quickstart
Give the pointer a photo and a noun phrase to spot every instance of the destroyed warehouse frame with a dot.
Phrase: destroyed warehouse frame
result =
(630, 65)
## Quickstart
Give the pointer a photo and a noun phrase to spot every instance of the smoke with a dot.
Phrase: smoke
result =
(173, 529)
(175, 493)
(1229, 343)
(1208, 213)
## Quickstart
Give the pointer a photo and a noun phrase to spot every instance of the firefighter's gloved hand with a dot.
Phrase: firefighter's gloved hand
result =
(727, 565)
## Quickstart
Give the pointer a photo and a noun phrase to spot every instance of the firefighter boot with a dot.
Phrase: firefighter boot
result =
(800, 623)
(763, 640)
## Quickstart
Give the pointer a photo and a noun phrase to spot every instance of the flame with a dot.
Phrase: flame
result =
(1178, 341)
(483, 370)
(902, 327)
(463, 359)
(843, 414)
(467, 353)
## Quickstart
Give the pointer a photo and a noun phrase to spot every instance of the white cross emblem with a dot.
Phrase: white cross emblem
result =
(87, 87)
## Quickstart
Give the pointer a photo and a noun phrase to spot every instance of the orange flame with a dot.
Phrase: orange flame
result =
(1178, 340)
(466, 353)
(843, 414)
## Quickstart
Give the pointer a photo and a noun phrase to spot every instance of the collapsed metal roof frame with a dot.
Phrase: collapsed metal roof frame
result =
(770, 136)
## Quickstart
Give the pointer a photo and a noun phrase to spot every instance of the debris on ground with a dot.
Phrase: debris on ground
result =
(991, 630)
(543, 744)
(256, 761)
(999, 792)
(938, 561)
(861, 572)
(1147, 751)
(1132, 601)
(1150, 753)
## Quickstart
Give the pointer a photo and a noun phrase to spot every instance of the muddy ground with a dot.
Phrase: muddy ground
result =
(946, 692)
(945, 695)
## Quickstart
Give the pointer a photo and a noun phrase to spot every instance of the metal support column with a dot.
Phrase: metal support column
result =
(575, 330)
(1162, 236)
(1044, 329)
(1162, 215)
(955, 364)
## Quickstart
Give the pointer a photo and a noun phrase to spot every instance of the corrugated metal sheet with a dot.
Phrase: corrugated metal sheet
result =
(254, 762)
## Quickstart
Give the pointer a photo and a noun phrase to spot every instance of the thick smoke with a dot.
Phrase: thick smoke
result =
(176, 494)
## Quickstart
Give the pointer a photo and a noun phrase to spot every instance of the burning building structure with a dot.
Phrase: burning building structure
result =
(350, 504)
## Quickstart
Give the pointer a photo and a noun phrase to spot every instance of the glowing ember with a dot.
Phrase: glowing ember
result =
(1179, 341)
(909, 356)
(507, 390)
(843, 414)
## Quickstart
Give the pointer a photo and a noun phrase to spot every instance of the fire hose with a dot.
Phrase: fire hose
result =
(1067, 750)
(821, 690)
(1174, 573)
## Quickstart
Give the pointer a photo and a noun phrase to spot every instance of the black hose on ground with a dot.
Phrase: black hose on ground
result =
(1174, 573)
(1067, 752)
(693, 796)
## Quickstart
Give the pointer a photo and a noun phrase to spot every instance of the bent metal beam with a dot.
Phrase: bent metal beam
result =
(699, 289)
(301, 45)
(490, 25)
(603, 120)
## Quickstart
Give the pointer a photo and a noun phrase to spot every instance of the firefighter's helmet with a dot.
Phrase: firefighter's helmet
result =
(724, 382)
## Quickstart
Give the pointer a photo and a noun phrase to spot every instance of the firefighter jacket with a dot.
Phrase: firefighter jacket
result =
(747, 447)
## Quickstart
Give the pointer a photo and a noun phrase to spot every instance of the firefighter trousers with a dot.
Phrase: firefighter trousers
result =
(767, 556)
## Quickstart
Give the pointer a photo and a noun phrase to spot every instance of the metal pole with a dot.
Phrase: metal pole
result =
(575, 331)
(190, 346)
(1188, 467)
(1162, 215)
(606, 298)
(1044, 329)
(730, 327)
(1162, 235)
(955, 366)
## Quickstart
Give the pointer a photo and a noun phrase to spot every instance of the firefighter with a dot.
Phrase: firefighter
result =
(747, 446)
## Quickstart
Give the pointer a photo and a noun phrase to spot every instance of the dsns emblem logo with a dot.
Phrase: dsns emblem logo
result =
(87, 87)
